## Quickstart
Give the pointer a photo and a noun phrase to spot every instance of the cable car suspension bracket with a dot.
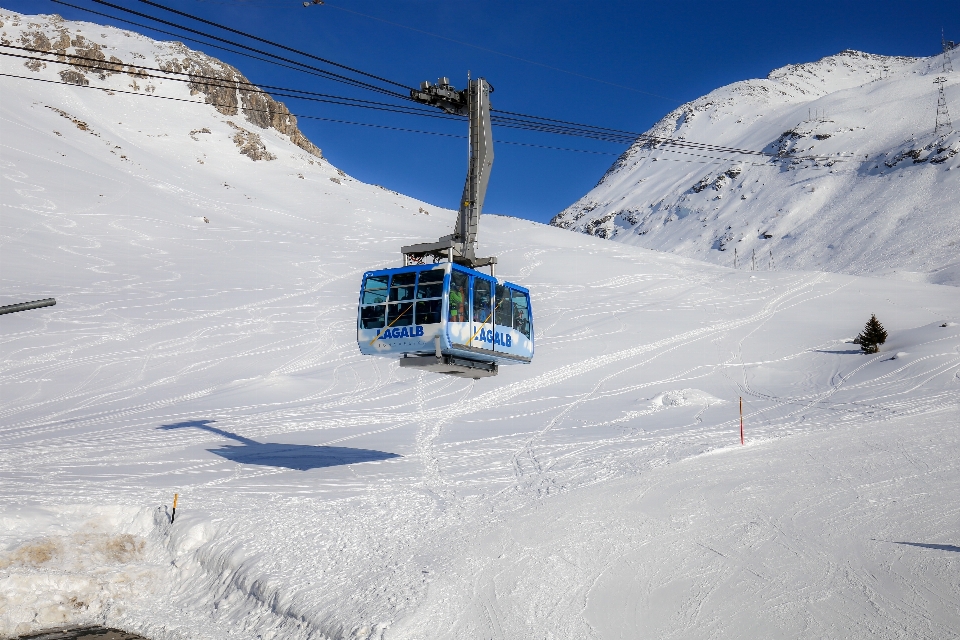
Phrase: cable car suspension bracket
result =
(473, 102)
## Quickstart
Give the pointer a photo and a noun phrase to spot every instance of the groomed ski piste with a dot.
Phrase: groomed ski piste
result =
(599, 492)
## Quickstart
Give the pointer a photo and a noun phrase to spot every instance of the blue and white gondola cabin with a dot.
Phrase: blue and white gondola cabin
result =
(445, 318)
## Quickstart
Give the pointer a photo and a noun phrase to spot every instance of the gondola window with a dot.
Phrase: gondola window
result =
(502, 311)
(375, 291)
(400, 314)
(481, 301)
(402, 287)
(430, 285)
(428, 311)
(373, 312)
(373, 317)
(521, 312)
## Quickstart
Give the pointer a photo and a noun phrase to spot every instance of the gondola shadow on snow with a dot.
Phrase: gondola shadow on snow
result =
(299, 457)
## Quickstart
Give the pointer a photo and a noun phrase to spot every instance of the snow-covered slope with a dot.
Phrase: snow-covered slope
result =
(858, 182)
(599, 492)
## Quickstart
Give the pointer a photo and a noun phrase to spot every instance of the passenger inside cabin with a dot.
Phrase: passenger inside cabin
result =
(457, 311)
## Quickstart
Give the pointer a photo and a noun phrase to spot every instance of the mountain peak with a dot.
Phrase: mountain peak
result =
(853, 178)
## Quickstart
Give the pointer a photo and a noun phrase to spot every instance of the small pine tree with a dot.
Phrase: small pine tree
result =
(872, 336)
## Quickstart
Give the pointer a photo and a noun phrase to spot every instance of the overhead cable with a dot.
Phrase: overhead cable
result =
(329, 74)
(90, 62)
(505, 119)
(187, 38)
(296, 115)
(98, 64)
(310, 117)
(518, 120)
(265, 41)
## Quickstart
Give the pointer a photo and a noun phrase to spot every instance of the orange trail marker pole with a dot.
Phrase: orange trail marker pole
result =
(174, 513)
(741, 420)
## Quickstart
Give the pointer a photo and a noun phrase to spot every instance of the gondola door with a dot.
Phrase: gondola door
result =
(482, 307)
(458, 308)
(503, 334)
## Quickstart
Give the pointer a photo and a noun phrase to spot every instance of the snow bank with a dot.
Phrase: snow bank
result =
(73, 565)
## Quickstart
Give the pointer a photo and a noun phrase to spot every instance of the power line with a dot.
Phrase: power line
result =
(328, 74)
(466, 44)
(363, 124)
(271, 59)
(309, 55)
(613, 136)
(508, 120)
(365, 85)
(188, 38)
(546, 126)
(265, 41)
(462, 137)
(198, 79)
(619, 134)
(565, 122)
(296, 115)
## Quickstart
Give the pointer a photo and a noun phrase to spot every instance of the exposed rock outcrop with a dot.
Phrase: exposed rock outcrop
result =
(230, 92)
(250, 144)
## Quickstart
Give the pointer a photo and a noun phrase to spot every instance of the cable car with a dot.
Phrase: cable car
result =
(445, 318)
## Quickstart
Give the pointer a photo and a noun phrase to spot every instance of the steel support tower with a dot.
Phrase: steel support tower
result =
(947, 46)
(944, 125)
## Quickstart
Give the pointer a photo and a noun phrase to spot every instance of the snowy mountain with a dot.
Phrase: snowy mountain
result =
(856, 181)
(206, 271)
(90, 52)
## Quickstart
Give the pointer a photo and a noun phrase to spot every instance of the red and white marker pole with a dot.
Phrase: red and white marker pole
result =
(741, 420)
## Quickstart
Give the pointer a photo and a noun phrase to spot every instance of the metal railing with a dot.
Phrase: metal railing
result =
(26, 306)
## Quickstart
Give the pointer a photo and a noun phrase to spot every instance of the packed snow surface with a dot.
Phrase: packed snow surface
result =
(856, 180)
(203, 343)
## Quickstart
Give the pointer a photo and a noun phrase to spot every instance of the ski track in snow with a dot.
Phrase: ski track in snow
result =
(599, 492)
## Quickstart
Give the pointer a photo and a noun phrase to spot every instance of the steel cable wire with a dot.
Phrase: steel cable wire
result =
(265, 41)
(201, 79)
(363, 124)
(517, 121)
(507, 119)
(329, 74)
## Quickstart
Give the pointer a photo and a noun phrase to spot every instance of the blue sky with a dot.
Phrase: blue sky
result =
(661, 54)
